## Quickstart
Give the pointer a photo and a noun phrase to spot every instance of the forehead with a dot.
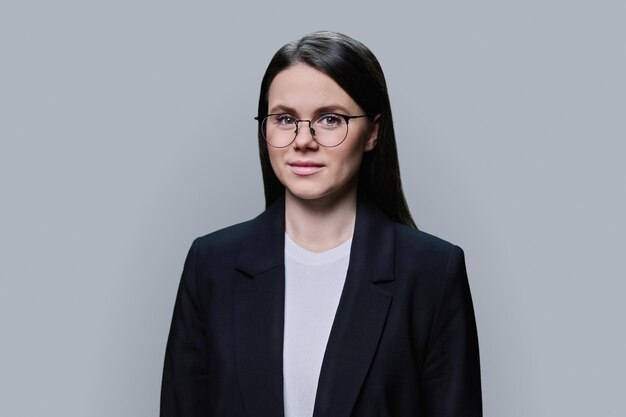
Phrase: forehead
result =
(307, 89)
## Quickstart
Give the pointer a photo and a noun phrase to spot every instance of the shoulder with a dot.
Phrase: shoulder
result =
(416, 253)
(418, 241)
(226, 236)
(427, 252)
(430, 269)
(229, 238)
(216, 251)
(222, 241)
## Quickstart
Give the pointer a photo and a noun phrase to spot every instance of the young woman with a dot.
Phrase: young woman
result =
(330, 303)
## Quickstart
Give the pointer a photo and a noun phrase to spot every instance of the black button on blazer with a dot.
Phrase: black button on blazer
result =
(403, 341)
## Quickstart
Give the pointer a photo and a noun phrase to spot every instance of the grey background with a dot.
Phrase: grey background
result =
(127, 131)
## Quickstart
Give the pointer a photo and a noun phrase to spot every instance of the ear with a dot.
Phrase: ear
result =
(372, 137)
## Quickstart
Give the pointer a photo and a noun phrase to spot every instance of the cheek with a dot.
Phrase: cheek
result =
(351, 162)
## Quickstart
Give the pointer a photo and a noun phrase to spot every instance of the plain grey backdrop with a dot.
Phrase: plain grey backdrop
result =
(127, 130)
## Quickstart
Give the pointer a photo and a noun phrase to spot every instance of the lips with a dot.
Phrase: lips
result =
(305, 167)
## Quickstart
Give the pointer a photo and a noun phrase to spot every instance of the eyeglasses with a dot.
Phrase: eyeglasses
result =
(329, 129)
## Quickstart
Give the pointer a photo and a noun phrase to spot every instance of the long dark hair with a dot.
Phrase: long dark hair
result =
(355, 68)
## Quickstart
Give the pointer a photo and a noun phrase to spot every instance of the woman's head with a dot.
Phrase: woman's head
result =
(350, 65)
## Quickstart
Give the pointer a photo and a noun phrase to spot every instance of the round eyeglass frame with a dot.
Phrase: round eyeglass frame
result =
(347, 118)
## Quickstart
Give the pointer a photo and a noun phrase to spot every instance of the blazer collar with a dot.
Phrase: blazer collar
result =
(356, 329)
(371, 252)
(263, 246)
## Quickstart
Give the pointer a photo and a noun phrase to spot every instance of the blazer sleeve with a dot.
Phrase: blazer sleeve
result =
(451, 372)
(185, 372)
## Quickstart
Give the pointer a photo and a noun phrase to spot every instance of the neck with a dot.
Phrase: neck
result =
(319, 225)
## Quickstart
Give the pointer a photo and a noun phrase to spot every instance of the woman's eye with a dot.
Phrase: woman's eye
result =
(285, 120)
(329, 120)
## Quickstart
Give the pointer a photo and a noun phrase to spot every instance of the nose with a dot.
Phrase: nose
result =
(304, 140)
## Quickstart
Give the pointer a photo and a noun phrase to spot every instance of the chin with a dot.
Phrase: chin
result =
(306, 194)
(313, 191)
(317, 194)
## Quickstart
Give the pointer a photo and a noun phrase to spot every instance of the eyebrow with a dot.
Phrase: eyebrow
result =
(333, 108)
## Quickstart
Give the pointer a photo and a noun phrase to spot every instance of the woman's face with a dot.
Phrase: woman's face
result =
(308, 170)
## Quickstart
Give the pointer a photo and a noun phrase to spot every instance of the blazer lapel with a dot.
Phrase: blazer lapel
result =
(360, 316)
(356, 330)
(259, 314)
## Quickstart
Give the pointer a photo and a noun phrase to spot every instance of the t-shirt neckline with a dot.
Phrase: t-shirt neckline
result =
(306, 256)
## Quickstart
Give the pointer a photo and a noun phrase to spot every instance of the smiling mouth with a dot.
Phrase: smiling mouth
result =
(305, 168)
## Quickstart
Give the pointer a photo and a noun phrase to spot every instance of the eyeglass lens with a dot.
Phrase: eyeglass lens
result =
(280, 130)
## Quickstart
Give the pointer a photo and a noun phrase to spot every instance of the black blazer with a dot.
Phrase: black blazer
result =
(403, 341)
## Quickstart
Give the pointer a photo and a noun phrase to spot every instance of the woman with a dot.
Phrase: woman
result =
(331, 302)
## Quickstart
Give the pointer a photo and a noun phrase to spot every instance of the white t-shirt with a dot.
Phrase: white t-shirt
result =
(313, 286)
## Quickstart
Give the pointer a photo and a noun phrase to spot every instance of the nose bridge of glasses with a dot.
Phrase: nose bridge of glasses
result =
(311, 130)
